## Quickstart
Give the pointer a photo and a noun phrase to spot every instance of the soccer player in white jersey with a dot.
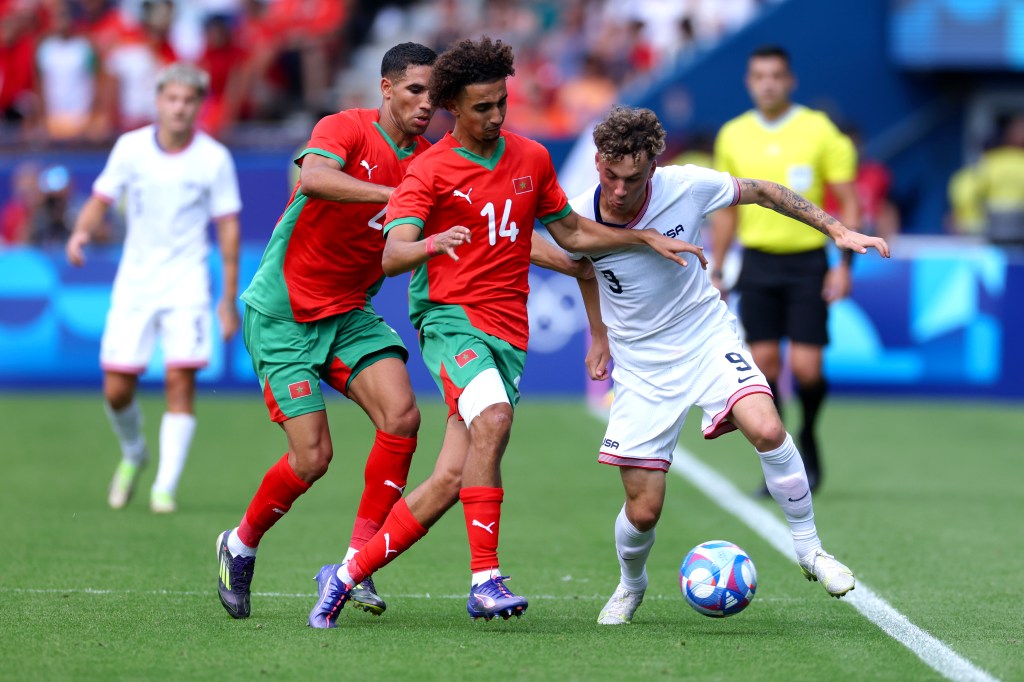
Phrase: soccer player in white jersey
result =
(675, 344)
(174, 180)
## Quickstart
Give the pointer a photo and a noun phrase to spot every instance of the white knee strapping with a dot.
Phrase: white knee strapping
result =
(484, 390)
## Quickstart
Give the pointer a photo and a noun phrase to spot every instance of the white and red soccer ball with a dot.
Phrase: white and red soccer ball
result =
(718, 579)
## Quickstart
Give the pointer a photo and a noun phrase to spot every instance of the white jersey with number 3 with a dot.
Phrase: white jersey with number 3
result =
(170, 198)
(657, 312)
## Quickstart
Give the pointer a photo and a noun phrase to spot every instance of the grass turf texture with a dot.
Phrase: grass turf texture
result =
(921, 500)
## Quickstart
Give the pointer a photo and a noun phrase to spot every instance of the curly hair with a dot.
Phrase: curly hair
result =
(468, 63)
(628, 131)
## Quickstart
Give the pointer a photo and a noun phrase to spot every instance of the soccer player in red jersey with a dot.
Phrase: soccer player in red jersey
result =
(472, 198)
(308, 318)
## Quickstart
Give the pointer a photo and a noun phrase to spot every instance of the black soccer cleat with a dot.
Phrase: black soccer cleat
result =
(234, 575)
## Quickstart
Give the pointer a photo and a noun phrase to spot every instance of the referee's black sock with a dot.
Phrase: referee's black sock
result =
(811, 398)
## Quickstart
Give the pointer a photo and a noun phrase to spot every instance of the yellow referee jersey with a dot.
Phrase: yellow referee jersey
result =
(803, 151)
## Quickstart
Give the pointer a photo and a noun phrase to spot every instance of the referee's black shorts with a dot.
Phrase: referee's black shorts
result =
(780, 296)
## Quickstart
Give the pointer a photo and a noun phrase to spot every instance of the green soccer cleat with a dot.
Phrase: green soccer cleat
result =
(162, 503)
(123, 484)
(364, 596)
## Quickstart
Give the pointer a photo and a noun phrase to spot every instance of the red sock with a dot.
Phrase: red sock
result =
(400, 531)
(387, 471)
(279, 489)
(482, 507)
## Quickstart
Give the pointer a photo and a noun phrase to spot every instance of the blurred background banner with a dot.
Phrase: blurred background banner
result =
(936, 319)
(52, 317)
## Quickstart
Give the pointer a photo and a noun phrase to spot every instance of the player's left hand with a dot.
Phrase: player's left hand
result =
(227, 314)
(671, 248)
(838, 283)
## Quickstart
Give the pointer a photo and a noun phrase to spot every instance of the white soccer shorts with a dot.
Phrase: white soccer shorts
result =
(649, 407)
(131, 334)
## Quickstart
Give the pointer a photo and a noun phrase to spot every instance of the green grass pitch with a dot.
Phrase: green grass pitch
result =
(922, 500)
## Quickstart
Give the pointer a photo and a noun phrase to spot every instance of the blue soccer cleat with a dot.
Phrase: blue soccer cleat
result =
(333, 595)
(234, 576)
(492, 598)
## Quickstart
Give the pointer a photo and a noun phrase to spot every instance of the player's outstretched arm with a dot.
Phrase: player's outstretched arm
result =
(90, 218)
(228, 238)
(405, 251)
(598, 355)
(582, 235)
(783, 200)
(546, 255)
(322, 178)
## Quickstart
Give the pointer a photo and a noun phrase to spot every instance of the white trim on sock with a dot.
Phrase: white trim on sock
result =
(480, 577)
(237, 547)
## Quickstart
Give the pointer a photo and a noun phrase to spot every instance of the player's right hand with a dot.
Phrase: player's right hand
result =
(598, 356)
(75, 248)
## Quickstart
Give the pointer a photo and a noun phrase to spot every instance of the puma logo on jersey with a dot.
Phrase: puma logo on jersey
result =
(464, 195)
(369, 171)
(391, 484)
(487, 528)
(675, 231)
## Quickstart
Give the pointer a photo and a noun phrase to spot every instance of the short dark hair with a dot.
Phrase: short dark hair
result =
(772, 51)
(469, 63)
(402, 56)
(629, 131)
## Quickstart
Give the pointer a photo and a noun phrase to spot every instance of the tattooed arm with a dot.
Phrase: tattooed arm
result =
(787, 202)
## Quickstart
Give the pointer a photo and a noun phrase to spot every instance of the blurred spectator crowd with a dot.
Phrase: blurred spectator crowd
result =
(77, 73)
(82, 71)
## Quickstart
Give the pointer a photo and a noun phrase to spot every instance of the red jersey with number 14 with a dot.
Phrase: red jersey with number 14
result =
(324, 256)
(498, 199)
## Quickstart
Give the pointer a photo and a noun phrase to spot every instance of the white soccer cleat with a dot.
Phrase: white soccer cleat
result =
(620, 607)
(835, 577)
(162, 503)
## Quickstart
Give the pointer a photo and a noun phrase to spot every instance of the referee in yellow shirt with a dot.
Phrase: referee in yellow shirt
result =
(785, 282)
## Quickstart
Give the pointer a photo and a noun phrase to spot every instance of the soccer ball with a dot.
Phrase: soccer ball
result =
(718, 579)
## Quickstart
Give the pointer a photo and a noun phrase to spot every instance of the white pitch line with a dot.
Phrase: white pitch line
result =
(722, 492)
(268, 595)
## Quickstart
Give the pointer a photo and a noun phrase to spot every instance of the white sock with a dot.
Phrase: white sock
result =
(352, 551)
(237, 547)
(344, 576)
(176, 431)
(787, 482)
(632, 547)
(127, 425)
(483, 576)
